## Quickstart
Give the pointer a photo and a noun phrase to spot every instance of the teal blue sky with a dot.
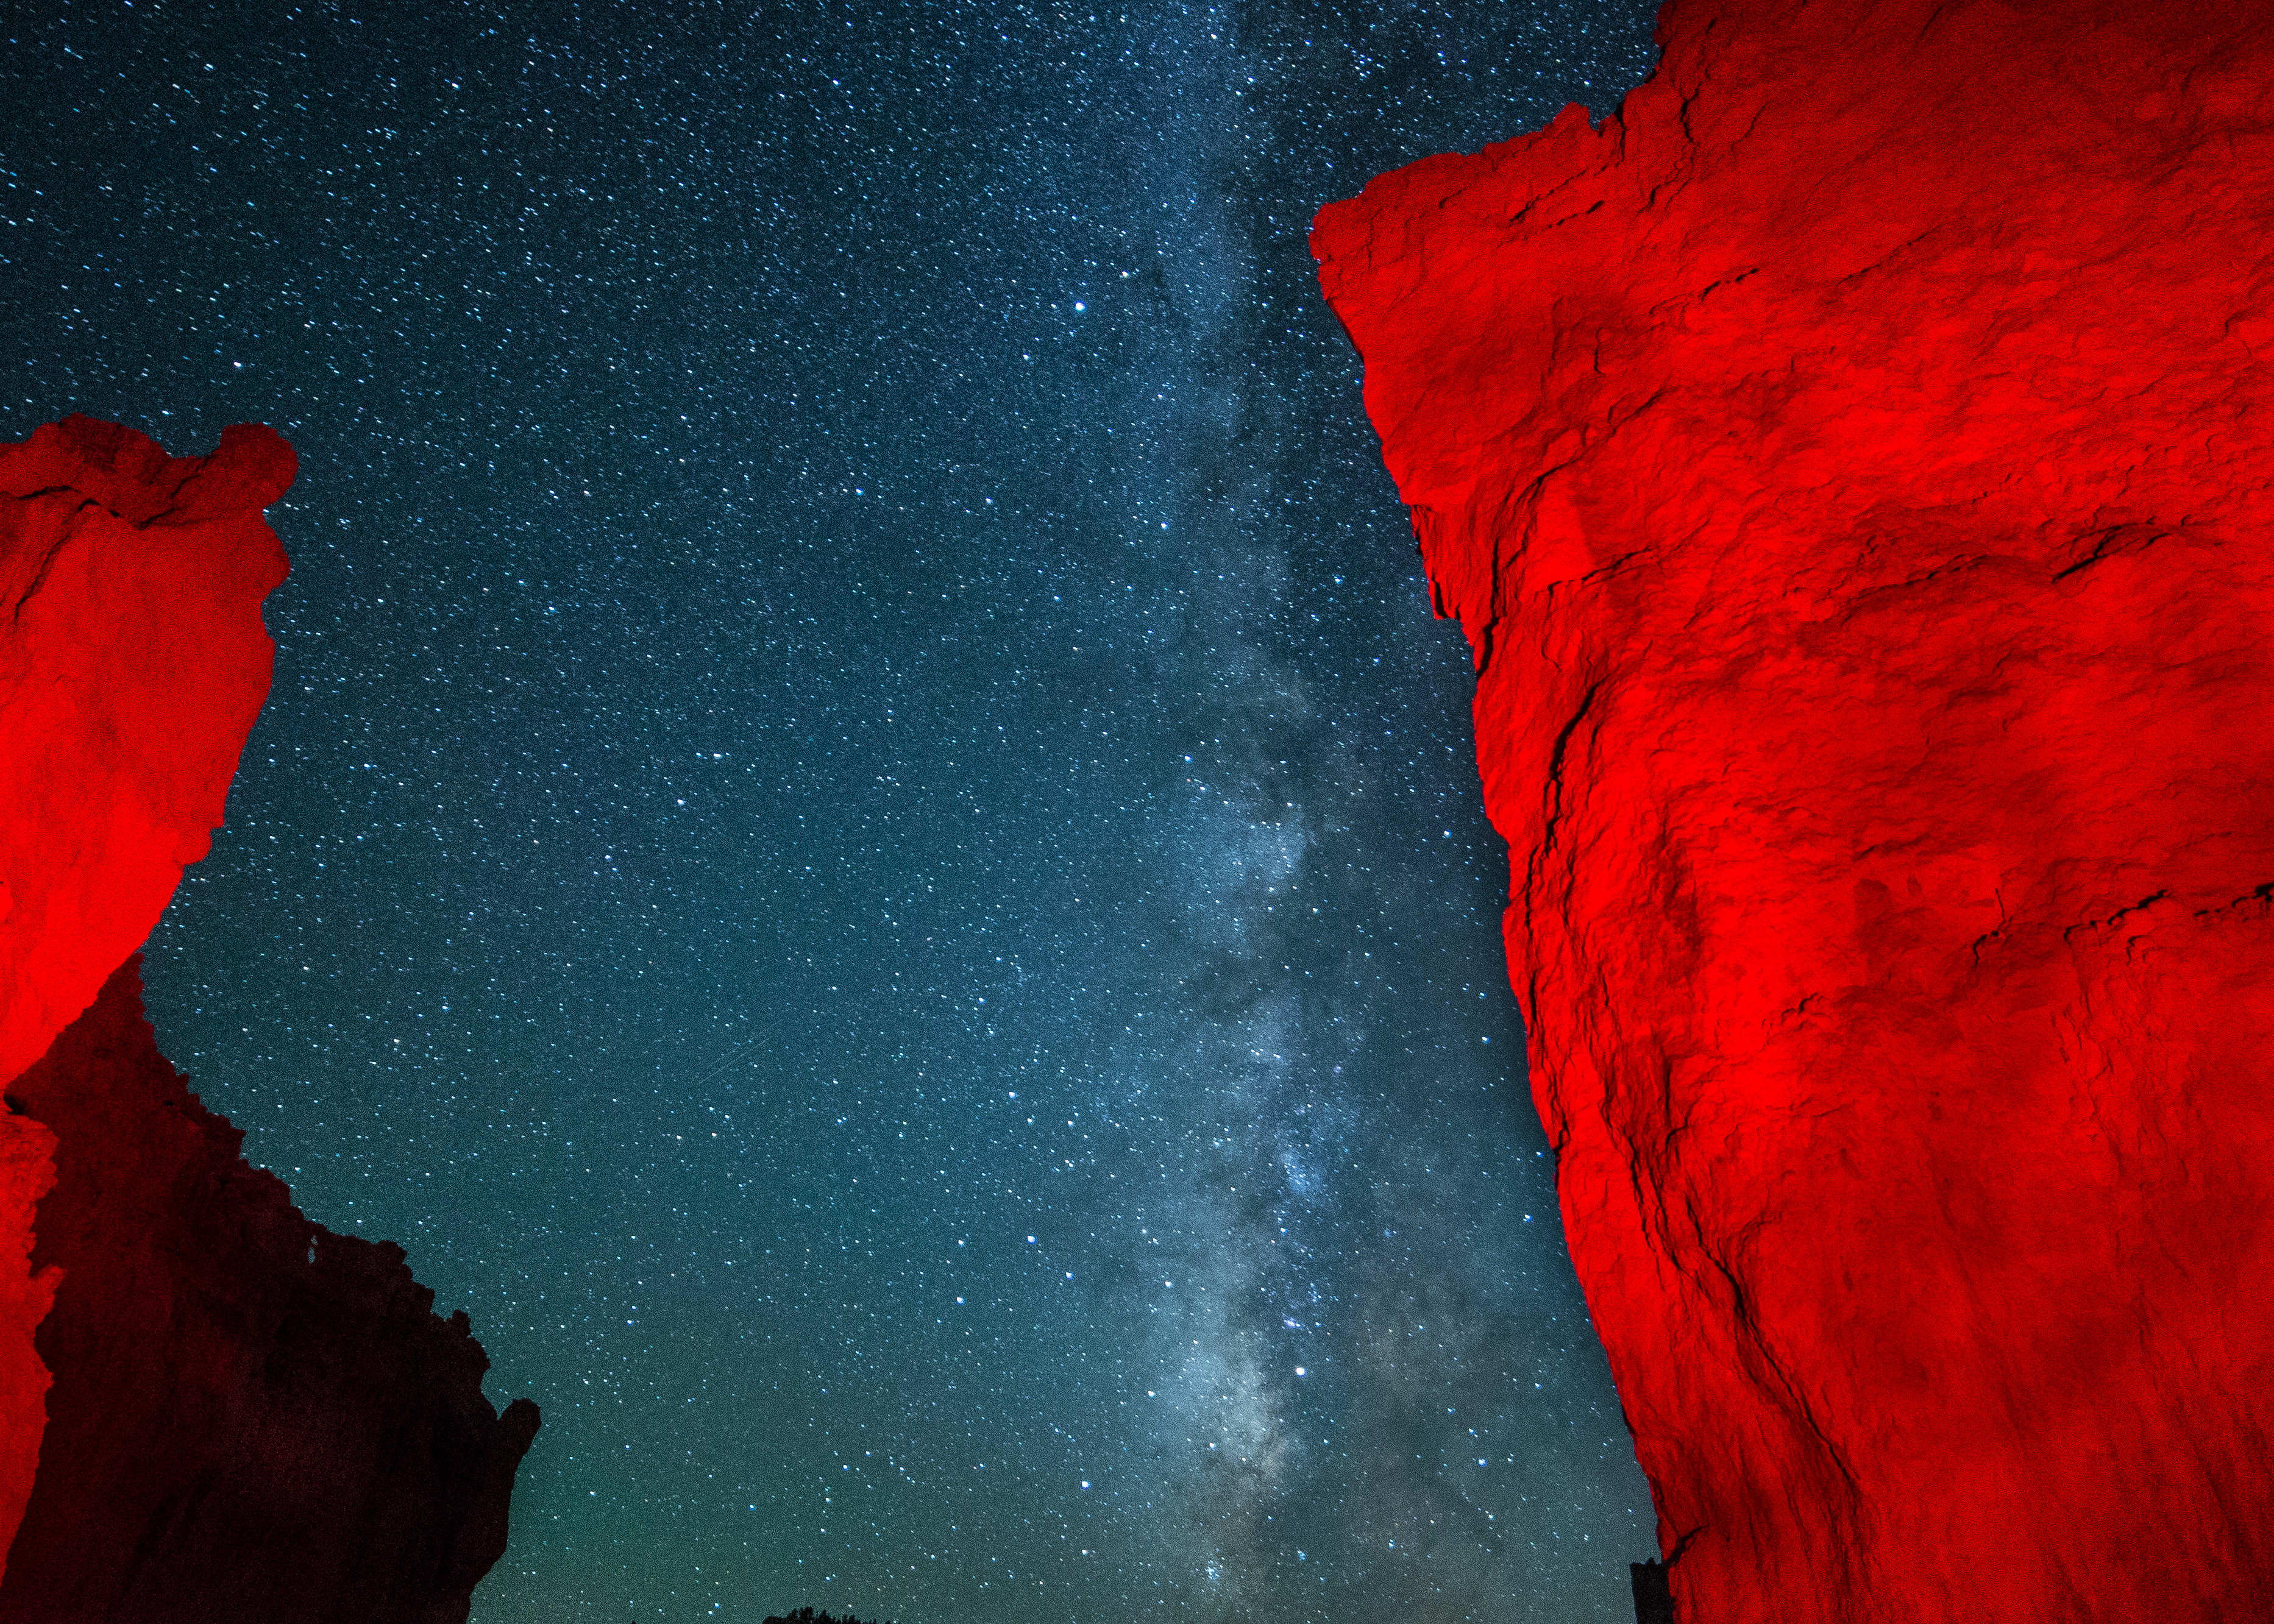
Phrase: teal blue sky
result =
(864, 843)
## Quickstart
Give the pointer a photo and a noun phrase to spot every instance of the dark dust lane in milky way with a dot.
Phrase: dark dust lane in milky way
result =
(865, 843)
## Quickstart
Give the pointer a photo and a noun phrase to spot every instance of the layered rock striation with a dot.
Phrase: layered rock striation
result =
(209, 1407)
(1849, 462)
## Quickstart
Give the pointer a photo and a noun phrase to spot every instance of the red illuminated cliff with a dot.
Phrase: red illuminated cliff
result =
(1851, 465)
(131, 665)
(209, 1408)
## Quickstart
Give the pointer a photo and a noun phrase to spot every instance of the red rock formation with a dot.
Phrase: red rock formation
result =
(131, 669)
(1850, 464)
(132, 661)
(248, 1416)
(252, 1418)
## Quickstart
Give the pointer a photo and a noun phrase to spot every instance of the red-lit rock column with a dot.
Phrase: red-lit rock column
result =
(1850, 464)
(132, 661)
(209, 1407)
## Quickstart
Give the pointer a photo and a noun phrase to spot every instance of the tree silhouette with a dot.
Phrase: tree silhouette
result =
(807, 1615)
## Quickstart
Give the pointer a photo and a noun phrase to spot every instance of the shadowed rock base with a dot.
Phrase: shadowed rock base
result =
(251, 1418)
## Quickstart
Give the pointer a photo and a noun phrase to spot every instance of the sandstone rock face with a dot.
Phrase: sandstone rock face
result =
(132, 661)
(1850, 463)
(131, 664)
(225, 1411)
(251, 1418)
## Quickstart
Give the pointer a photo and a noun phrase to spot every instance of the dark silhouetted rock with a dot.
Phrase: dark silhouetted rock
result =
(1654, 1599)
(252, 1418)
(132, 661)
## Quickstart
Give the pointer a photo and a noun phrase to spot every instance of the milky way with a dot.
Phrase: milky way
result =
(864, 842)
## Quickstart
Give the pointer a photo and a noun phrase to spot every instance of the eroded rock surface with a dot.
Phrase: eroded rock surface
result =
(251, 1418)
(210, 1409)
(132, 661)
(1850, 464)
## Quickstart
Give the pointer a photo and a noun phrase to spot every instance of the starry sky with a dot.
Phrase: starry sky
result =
(864, 843)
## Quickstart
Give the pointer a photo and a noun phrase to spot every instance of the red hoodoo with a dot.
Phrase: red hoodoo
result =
(242, 1415)
(1851, 466)
(251, 1418)
(132, 661)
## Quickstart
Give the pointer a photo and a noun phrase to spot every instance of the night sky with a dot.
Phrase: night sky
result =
(864, 843)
